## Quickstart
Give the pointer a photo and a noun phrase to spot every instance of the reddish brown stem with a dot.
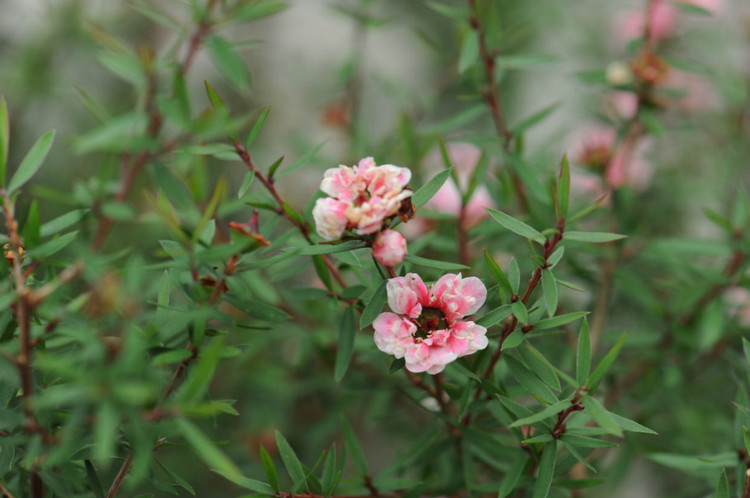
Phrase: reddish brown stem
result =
(300, 224)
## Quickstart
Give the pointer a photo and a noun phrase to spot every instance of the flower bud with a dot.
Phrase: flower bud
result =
(389, 248)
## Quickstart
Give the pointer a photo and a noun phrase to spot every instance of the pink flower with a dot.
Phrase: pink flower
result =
(464, 158)
(330, 217)
(594, 148)
(624, 104)
(628, 166)
(425, 327)
(663, 16)
(738, 299)
(389, 248)
(364, 196)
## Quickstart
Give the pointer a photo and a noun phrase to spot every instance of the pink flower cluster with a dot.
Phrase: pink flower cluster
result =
(361, 198)
(426, 326)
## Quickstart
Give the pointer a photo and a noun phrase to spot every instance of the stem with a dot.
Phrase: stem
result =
(121, 474)
(746, 490)
(303, 227)
(512, 322)
(131, 170)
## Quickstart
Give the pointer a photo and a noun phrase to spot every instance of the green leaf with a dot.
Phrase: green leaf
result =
(586, 442)
(538, 364)
(396, 365)
(4, 139)
(358, 457)
(322, 271)
(549, 411)
(520, 312)
(512, 476)
(202, 373)
(583, 354)
(515, 61)
(207, 450)
(210, 210)
(746, 437)
(722, 486)
(347, 334)
(601, 416)
(549, 287)
(253, 485)
(495, 316)
(563, 187)
(347, 246)
(556, 321)
(94, 482)
(746, 349)
(31, 234)
(595, 237)
(469, 51)
(498, 274)
(258, 10)
(516, 226)
(270, 468)
(458, 13)
(630, 426)
(228, 62)
(429, 189)
(455, 121)
(62, 222)
(53, 246)
(598, 374)
(514, 340)
(546, 470)
(246, 182)
(433, 263)
(535, 118)
(514, 275)
(31, 163)
(291, 462)
(306, 158)
(329, 472)
(256, 128)
(741, 210)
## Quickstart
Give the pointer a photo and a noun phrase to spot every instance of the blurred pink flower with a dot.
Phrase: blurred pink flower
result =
(587, 186)
(425, 327)
(366, 194)
(738, 299)
(698, 93)
(630, 25)
(629, 167)
(623, 104)
(594, 145)
(464, 158)
(389, 248)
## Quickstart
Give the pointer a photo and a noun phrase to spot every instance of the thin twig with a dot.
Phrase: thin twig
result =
(303, 227)
(121, 474)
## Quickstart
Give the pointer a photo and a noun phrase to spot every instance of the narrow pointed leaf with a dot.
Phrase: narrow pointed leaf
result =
(563, 187)
(289, 457)
(4, 139)
(306, 158)
(601, 369)
(512, 477)
(246, 182)
(546, 470)
(498, 274)
(469, 51)
(355, 450)
(31, 163)
(549, 288)
(594, 237)
(374, 306)
(583, 355)
(426, 191)
(270, 468)
(601, 416)
(345, 349)
(722, 486)
(557, 321)
(516, 226)
(206, 449)
(256, 128)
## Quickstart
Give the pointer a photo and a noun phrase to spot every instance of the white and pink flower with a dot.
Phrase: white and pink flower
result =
(361, 197)
(426, 326)
(389, 248)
